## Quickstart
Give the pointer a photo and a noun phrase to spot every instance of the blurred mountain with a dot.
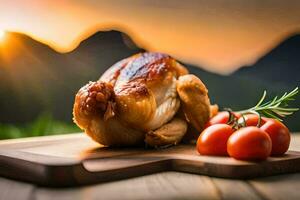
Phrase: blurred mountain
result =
(35, 78)
(281, 66)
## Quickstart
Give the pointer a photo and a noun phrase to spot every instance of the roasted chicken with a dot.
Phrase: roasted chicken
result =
(148, 97)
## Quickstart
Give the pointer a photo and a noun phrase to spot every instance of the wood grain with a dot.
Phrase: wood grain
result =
(278, 187)
(12, 190)
(154, 186)
(77, 160)
(235, 189)
(165, 185)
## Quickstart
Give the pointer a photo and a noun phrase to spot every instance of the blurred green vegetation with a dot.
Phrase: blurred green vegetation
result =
(43, 125)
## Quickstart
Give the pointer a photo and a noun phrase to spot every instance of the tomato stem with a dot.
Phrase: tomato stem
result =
(244, 120)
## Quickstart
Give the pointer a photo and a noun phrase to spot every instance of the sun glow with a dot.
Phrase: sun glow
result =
(207, 32)
(2, 35)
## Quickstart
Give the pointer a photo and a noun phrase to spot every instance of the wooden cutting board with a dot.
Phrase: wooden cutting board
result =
(71, 160)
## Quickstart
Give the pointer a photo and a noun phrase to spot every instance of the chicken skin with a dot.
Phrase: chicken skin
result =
(140, 99)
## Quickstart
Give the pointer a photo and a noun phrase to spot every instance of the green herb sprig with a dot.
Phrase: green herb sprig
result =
(277, 108)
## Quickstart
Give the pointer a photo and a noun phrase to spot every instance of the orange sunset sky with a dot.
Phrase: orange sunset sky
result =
(217, 35)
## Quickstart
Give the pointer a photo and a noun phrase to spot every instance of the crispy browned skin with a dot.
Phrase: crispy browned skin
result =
(136, 96)
(195, 101)
(92, 103)
(141, 84)
(169, 134)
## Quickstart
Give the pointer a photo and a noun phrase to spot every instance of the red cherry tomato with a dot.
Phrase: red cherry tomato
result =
(279, 134)
(252, 120)
(213, 140)
(220, 118)
(249, 143)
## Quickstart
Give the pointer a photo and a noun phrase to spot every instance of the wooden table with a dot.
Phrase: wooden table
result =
(166, 185)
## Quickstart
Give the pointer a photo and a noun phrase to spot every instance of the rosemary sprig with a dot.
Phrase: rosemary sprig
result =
(277, 108)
